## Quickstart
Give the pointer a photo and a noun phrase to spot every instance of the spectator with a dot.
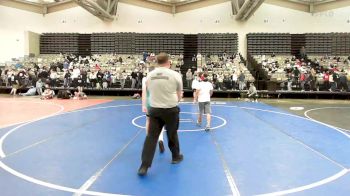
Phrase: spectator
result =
(303, 53)
(84, 77)
(289, 82)
(31, 92)
(65, 65)
(99, 77)
(79, 95)
(326, 80)
(189, 78)
(122, 77)
(252, 92)
(332, 83)
(64, 94)
(234, 78)
(139, 79)
(302, 80)
(343, 83)
(44, 75)
(6, 78)
(114, 78)
(313, 79)
(67, 79)
(75, 73)
(133, 79)
(15, 84)
(296, 74)
(336, 79)
(53, 78)
(80, 83)
(93, 79)
(104, 83)
(227, 82)
(241, 81)
(39, 87)
(215, 80)
(48, 93)
(21, 77)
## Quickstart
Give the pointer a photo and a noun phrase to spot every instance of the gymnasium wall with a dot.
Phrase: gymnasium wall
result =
(31, 43)
(214, 19)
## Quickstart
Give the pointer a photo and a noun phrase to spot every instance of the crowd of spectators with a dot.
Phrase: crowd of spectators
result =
(64, 71)
(314, 73)
(226, 72)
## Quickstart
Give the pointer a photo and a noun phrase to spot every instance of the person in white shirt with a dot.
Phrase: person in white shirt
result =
(76, 73)
(189, 78)
(234, 80)
(53, 78)
(122, 76)
(39, 86)
(253, 93)
(48, 93)
(203, 93)
(195, 83)
(146, 106)
(93, 79)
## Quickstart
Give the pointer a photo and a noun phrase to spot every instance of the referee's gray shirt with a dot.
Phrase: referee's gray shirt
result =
(163, 84)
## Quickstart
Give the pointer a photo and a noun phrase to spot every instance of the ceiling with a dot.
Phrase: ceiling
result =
(41, 1)
(185, 1)
(175, 6)
(175, 2)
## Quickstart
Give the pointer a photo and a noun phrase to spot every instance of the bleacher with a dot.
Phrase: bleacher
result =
(270, 54)
(227, 66)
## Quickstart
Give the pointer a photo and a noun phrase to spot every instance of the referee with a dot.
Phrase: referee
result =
(165, 88)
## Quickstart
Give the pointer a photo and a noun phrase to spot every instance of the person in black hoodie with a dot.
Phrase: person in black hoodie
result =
(343, 82)
(21, 77)
(67, 79)
(139, 79)
(99, 77)
(15, 84)
(84, 77)
(80, 83)
(336, 79)
(133, 79)
(44, 75)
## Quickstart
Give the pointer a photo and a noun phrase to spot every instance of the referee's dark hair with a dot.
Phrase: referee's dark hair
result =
(205, 77)
(162, 58)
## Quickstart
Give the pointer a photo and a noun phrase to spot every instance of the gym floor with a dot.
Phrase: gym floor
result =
(93, 147)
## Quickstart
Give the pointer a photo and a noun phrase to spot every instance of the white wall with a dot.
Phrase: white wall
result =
(268, 18)
(31, 43)
(11, 44)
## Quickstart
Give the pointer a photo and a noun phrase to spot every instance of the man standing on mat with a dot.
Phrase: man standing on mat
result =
(165, 88)
(203, 94)
(146, 105)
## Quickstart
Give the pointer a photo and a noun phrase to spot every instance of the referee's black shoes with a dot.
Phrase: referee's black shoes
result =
(142, 171)
(178, 159)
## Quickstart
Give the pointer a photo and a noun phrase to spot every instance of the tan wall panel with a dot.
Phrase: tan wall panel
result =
(149, 5)
(289, 4)
(198, 4)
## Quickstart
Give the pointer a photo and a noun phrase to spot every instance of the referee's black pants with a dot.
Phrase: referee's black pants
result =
(159, 117)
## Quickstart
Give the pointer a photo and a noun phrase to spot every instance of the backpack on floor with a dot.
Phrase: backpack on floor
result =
(64, 94)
